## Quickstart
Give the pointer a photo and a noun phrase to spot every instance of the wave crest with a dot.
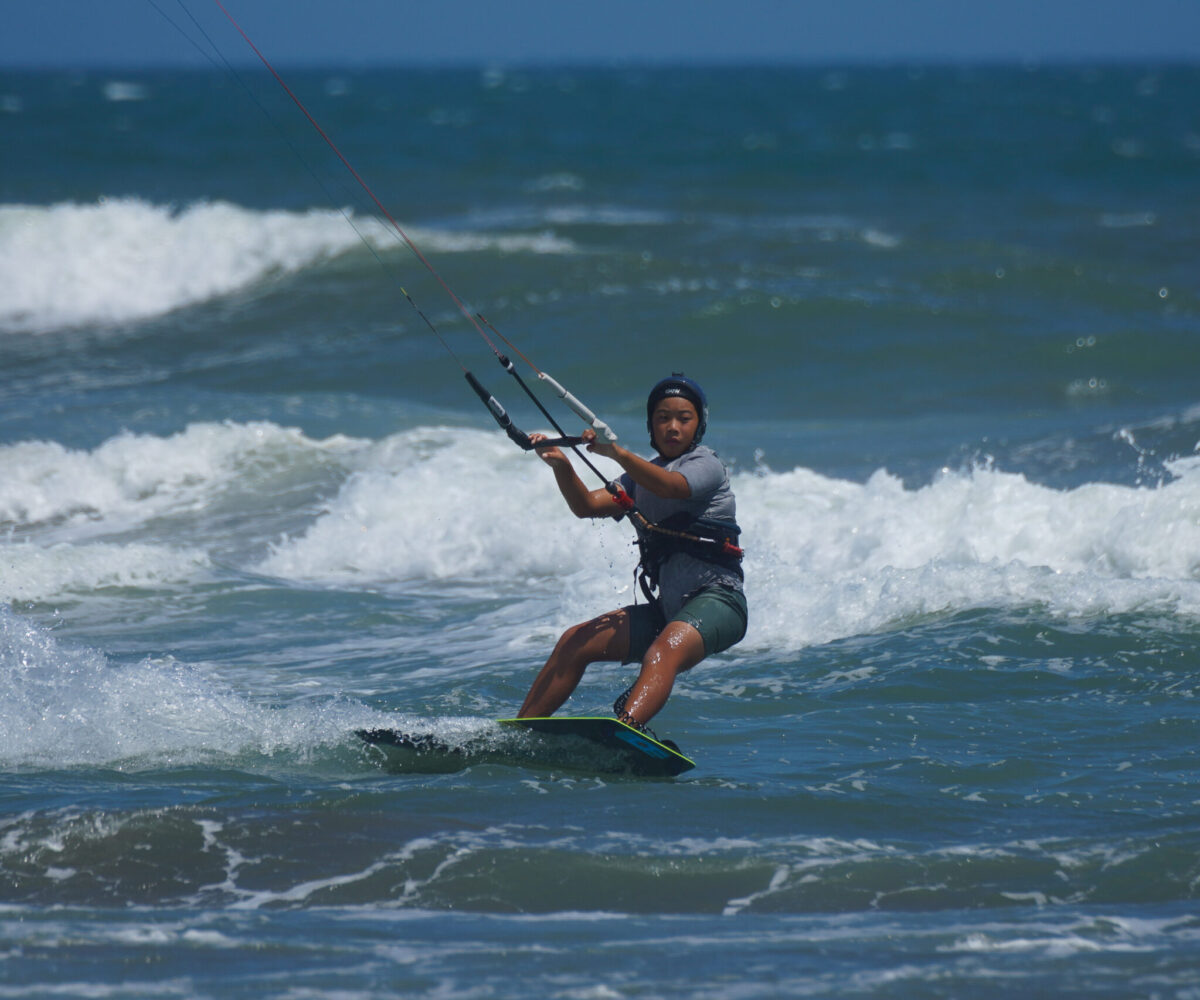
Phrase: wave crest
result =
(457, 507)
(125, 259)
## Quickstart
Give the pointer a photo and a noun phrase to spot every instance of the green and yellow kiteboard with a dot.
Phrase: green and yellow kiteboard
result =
(595, 744)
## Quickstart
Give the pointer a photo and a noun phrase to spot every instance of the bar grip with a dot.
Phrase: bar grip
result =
(598, 425)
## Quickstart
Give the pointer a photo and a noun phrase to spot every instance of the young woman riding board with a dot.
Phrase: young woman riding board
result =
(685, 519)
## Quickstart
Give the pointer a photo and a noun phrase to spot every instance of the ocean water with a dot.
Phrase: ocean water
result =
(948, 321)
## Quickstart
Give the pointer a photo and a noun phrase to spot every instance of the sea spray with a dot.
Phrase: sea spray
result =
(65, 705)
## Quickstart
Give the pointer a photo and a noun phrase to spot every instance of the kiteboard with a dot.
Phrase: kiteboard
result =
(595, 744)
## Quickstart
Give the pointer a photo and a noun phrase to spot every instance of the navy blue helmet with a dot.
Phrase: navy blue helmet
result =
(677, 384)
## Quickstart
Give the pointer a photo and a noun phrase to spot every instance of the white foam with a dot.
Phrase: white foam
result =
(71, 706)
(831, 558)
(32, 573)
(126, 259)
(620, 216)
(544, 242)
(446, 504)
(118, 91)
(134, 477)
(132, 512)
(826, 558)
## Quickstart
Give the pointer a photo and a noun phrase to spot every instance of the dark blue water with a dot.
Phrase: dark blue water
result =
(947, 320)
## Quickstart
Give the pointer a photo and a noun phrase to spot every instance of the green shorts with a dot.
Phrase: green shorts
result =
(718, 613)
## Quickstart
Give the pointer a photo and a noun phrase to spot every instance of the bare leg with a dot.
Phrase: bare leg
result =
(602, 638)
(679, 647)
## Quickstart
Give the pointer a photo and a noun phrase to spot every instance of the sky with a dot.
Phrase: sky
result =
(348, 33)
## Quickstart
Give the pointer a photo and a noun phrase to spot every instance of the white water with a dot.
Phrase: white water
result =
(64, 706)
(826, 558)
(125, 259)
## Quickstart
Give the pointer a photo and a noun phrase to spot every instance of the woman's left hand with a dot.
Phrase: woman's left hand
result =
(597, 446)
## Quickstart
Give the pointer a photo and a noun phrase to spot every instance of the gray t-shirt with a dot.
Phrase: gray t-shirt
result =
(681, 574)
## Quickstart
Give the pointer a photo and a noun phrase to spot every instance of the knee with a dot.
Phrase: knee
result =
(679, 647)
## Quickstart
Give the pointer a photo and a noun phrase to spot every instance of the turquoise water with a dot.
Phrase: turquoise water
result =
(947, 321)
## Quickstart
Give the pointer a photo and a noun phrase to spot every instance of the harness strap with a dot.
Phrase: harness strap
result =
(725, 545)
(658, 542)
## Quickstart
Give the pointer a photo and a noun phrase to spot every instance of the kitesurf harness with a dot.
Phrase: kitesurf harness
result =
(706, 539)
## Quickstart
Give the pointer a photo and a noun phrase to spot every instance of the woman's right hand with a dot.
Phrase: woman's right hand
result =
(551, 456)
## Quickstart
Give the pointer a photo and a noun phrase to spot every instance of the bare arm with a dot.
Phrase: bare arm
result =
(659, 481)
(582, 501)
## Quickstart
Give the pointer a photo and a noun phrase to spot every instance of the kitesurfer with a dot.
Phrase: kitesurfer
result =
(685, 519)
